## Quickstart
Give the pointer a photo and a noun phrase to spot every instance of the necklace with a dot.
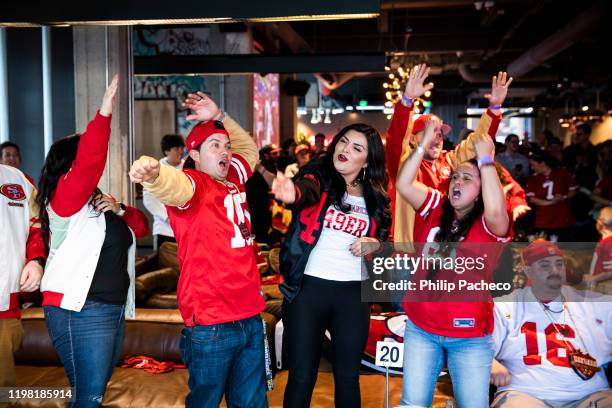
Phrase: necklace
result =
(354, 183)
(583, 364)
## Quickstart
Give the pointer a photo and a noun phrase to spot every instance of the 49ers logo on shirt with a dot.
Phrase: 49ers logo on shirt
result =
(13, 192)
(345, 222)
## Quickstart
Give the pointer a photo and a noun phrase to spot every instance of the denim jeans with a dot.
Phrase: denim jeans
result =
(89, 344)
(226, 358)
(468, 360)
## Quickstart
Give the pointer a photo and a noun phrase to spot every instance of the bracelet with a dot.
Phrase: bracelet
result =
(485, 161)
(407, 101)
(495, 107)
(419, 149)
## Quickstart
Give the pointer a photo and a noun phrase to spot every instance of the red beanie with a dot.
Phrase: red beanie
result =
(538, 249)
(203, 131)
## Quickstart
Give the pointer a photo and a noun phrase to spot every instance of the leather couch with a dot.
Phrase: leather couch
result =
(154, 333)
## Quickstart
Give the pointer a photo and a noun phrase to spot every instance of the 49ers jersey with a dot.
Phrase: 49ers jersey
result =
(558, 182)
(219, 280)
(536, 355)
(454, 313)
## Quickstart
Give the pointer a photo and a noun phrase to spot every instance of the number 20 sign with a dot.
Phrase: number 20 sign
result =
(389, 354)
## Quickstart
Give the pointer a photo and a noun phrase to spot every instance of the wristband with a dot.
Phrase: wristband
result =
(40, 260)
(407, 101)
(495, 107)
(485, 161)
(419, 149)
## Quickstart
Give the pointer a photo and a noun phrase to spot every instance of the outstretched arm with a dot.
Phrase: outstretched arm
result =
(171, 186)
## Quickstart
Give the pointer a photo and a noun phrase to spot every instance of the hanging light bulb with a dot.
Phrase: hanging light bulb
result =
(427, 94)
(385, 85)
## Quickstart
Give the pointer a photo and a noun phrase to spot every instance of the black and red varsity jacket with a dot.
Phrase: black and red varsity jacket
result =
(308, 214)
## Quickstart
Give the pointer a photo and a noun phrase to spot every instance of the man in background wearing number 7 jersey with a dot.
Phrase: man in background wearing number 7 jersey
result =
(219, 291)
(549, 190)
(550, 339)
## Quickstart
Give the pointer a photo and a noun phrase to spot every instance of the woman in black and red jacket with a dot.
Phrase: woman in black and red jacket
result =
(340, 213)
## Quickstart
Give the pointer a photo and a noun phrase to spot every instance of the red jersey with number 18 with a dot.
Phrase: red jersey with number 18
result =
(219, 279)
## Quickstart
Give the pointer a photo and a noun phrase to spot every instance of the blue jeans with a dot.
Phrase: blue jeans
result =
(468, 359)
(89, 344)
(226, 358)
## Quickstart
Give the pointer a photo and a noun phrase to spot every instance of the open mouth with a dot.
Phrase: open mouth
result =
(342, 158)
(455, 193)
(224, 164)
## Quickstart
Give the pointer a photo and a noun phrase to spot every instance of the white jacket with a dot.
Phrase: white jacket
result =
(161, 225)
(70, 267)
(15, 194)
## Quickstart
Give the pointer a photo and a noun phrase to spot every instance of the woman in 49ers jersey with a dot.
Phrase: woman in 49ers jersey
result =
(474, 211)
(340, 213)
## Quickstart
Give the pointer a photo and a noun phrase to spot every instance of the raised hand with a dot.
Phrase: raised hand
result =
(430, 130)
(415, 87)
(499, 88)
(30, 277)
(108, 101)
(107, 203)
(204, 107)
(145, 169)
(283, 188)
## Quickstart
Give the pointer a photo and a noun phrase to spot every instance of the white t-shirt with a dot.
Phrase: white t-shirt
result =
(331, 257)
(161, 225)
(535, 354)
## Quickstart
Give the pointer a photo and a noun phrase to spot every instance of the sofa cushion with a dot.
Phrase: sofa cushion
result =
(168, 257)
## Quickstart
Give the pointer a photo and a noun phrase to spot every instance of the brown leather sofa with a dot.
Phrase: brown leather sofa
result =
(154, 333)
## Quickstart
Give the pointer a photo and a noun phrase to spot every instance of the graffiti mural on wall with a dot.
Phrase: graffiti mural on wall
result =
(265, 109)
(175, 87)
(172, 41)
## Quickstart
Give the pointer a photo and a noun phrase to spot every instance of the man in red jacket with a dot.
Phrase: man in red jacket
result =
(437, 164)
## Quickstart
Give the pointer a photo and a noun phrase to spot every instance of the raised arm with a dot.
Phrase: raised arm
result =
(495, 210)
(489, 121)
(205, 109)
(401, 122)
(411, 190)
(75, 188)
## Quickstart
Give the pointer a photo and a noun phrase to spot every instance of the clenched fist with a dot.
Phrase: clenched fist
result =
(144, 170)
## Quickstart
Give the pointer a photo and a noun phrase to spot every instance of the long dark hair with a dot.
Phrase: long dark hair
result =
(57, 163)
(452, 230)
(374, 180)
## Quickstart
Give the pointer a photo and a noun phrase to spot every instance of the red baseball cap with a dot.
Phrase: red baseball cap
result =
(538, 249)
(421, 121)
(202, 131)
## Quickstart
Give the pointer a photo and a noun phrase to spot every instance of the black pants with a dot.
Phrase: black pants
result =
(325, 305)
